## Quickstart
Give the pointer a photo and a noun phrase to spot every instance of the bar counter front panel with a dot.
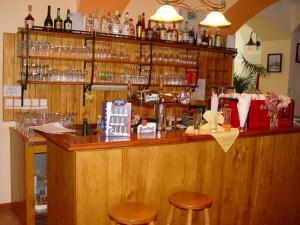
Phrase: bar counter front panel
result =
(256, 182)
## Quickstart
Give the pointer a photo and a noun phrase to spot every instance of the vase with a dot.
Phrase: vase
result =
(197, 120)
(274, 120)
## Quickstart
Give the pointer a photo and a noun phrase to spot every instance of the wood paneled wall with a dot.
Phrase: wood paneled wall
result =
(216, 67)
(256, 182)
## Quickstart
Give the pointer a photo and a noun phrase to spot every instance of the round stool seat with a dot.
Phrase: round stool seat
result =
(190, 200)
(132, 213)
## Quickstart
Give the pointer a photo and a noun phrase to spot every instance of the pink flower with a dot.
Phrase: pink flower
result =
(275, 103)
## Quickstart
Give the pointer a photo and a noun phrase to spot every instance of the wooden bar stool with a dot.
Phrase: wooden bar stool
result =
(190, 201)
(133, 213)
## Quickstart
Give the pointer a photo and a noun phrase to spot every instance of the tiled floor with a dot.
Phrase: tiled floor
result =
(8, 217)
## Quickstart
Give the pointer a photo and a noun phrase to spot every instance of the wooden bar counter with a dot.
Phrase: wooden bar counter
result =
(257, 182)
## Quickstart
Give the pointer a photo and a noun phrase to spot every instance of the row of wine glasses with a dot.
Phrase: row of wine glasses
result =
(169, 79)
(46, 49)
(26, 120)
(105, 51)
(173, 56)
(41, 74)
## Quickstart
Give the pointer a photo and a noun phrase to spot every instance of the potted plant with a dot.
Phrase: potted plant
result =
(250, 81)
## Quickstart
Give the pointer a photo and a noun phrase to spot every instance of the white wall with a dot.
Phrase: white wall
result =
(252, 54)
(278, 82)
(12, 14)
(294, 79)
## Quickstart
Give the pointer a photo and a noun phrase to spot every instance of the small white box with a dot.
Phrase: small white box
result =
(17, 103)
(26, 102)
(9, 103)
(35, 102)
(43, 102)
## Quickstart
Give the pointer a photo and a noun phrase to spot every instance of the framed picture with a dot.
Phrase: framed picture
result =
(274, 63)
(298, 53)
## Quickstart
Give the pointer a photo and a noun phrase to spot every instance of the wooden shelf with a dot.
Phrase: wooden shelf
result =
(116, 84)
(175, 85)
(174, 65)
(57, 58)
(125, 39)
(40, 31)
(54, 82)
(121, 61)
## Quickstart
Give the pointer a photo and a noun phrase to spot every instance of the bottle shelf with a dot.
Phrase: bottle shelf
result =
(121, 61)
(53, 82)
(57, 58)
(116, 84)
(123, 38)
(174, 65)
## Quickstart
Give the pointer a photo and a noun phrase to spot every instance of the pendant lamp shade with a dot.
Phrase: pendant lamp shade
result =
(166, 13)
(215, 19)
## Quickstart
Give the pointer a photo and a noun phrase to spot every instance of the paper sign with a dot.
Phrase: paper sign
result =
(200, 90)
(12, 90)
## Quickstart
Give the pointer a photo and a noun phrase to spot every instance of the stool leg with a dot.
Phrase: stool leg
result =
(170, 216)
(206, 217)
(189, 217)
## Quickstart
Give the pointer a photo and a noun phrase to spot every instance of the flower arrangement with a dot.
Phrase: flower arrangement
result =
(274, 103)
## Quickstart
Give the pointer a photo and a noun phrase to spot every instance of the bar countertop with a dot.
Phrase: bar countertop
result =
(72, 142)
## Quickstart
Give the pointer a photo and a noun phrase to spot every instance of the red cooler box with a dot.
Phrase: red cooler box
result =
(258, 115)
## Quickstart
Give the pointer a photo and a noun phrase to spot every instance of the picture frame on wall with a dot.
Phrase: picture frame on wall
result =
(274, 63)
(298, 53)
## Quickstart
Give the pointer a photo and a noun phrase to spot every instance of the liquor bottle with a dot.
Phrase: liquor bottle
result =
(48, 23)
(199, 36)
(210, 40)
(58, 21)
(156, 31)
(180, 34)
(29, 20)
(139, 27)
(174, 33)
(163, 32)
(131, 28)
(204, 39)
(68, 22)
(185, 35)
(96, 21)
(191, 35)
(89, 24)
(126, 25)
(149, 31)
(109, 23)
(103, 22)
(169, 34)
(116, 23)
(218, 38)
(85, 129)
(143, 25)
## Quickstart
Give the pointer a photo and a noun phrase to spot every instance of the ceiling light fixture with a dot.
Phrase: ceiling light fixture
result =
(166, 13)
(251, 42)
(214, 18)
